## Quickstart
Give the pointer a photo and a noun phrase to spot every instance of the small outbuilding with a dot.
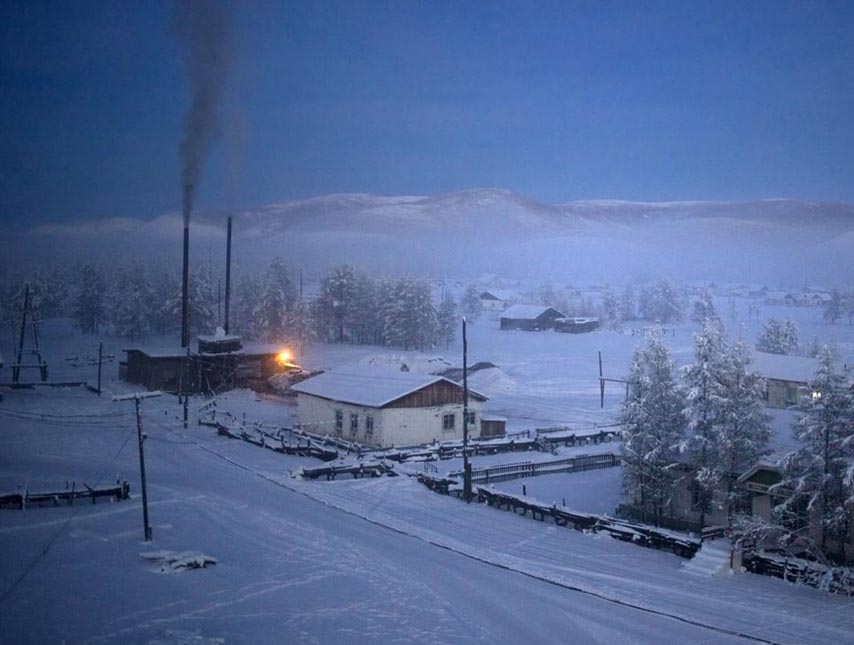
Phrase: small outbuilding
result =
(383, 407)
(786, 377)
(529, 317)
(496, 299)
(576, 325)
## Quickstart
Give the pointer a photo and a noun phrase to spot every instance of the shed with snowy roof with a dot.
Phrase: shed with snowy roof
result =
(496, 299)
(786, 377)
(529, 317)
(386, 407)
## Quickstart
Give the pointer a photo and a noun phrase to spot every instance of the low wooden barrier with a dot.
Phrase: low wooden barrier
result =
(509, 472)
(357, 471)
(20, 501)
(834, 579)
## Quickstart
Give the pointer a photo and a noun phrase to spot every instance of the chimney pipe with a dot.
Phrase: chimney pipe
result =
(227, 273)
(185, 282)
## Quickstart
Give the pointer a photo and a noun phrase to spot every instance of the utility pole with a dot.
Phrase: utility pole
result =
(136, 398)
(100, 359)
(466, 464)
(186, 385)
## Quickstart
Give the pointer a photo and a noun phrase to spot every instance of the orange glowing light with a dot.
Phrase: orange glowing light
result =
(284, 357)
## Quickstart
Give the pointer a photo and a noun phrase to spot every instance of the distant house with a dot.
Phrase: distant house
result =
(529, 317)
(786, 377)
(496, 299)
(576, 325)
(385, 407)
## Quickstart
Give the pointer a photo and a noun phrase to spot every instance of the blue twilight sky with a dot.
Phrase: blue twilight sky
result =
(558, 100)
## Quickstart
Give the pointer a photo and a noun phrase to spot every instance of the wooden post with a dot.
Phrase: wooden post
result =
(100, 359)
(466, 464)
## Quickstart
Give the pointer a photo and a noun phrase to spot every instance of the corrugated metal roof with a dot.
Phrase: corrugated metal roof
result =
(372, 387)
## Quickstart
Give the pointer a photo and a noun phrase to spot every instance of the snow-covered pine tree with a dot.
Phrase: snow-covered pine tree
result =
(628, 306)
(163, 288)
(424, 320)
(277, 297)
(834, 308)
(662, 303)
(742, 422)
(702, 447)
(704, 308)
(815, 475)
(247, 299)
(335, 305)
(363, 316)
(130, 296)
(778, 337)
(653, 428)
(447, 320)
(470, 305)
(89, 302)
(611, 307)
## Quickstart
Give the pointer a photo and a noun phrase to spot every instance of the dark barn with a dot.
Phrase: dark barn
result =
(529, 317)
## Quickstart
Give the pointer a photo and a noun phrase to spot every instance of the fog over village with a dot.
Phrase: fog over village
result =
(437, 323)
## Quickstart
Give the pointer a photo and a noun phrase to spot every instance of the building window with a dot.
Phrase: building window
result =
(369, 425)
(354, 423)
(470, 418)
(449, 421)
(339, 421)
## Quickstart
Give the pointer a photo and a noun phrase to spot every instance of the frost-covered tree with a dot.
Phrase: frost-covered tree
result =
(835, 307)
(653, 428)
(778, 337)
(470, 305)
(704, 308)
(275, 303)
(815, 475)
(743, 424)
(407, 313)
(345, 309)
(163, 288)
(662, 303)
(246, 301)
(610, 307)
(90, 300)
(129, 301)
(702, 447)
(628, 307)
(446, 318)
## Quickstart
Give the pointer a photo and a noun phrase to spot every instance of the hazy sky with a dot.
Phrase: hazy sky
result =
(560, 101)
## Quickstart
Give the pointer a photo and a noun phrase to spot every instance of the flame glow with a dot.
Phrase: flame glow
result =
(284, 357)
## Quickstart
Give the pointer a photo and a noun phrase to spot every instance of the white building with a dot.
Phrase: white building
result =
(786, 377)
(496, 299)
(386, 408)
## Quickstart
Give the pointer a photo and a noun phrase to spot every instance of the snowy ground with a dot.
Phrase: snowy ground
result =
(377, 560)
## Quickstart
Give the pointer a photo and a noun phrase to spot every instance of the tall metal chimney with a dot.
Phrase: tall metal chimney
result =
(227, 273)
(185, 283)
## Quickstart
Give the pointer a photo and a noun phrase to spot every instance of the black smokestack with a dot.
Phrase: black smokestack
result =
(205, 32)
(227, 273)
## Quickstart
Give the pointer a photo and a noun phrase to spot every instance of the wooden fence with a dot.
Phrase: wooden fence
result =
(508, 472)
(120, 491)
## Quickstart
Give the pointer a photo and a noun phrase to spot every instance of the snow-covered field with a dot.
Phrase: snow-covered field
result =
(376, 560)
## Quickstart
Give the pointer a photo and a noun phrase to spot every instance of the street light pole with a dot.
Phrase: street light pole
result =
(466, 464)
(136, 398)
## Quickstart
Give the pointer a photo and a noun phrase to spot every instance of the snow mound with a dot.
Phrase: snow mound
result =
(492, 381)
(177, 561)
(184, 637)
(419, 364)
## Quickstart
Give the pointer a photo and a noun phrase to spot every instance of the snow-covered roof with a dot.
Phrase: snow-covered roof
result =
(577, 320)
(218, 338)
(527, 312)
(781, 367)
(497, 294)
(373, 388)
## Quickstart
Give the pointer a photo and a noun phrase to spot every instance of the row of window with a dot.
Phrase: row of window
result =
(354, 423)
(449, 420)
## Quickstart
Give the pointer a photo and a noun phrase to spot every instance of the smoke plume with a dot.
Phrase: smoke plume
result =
(204, 29)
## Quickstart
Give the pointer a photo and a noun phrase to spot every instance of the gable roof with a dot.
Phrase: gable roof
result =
(373, 387)
(497, 294)
(781, 367)
(528, 312)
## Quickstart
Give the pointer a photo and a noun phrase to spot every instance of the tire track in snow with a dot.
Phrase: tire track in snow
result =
(564, 585)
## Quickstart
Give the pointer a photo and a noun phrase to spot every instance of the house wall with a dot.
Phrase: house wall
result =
(682, 504)
(782, 394)
(493, 305)
(392, 426)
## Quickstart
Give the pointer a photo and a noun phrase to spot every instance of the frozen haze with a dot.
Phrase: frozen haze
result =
(470, 232)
